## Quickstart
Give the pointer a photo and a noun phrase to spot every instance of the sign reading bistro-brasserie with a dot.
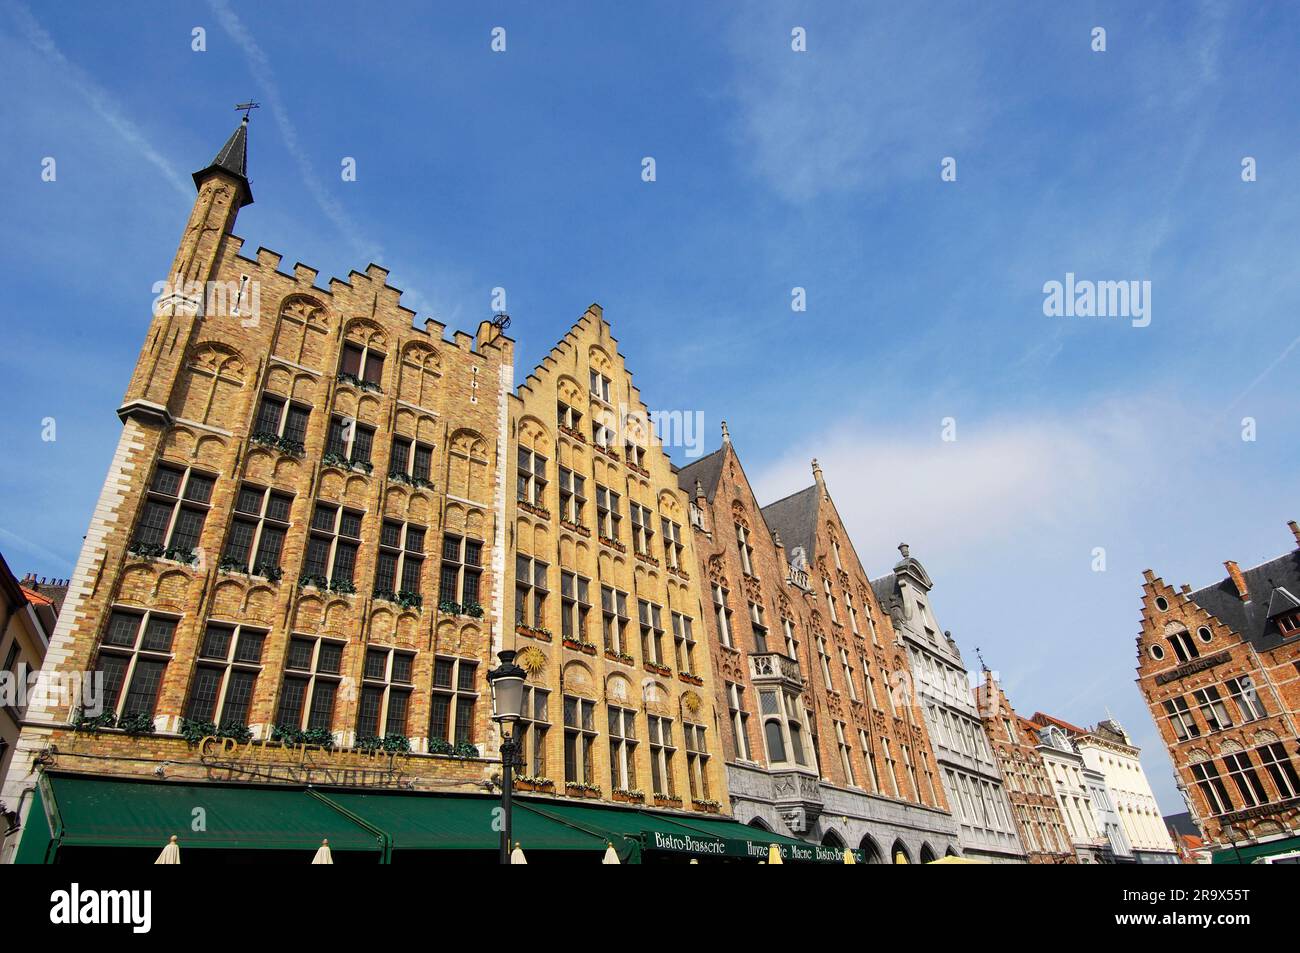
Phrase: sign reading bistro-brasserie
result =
(302, 764)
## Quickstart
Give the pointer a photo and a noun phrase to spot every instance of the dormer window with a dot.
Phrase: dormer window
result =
(1289, 624)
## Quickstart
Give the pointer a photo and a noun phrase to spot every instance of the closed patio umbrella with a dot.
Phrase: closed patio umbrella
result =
(323, 855)
(848, 857)
(517, 855)
(774, 854)
(171, 854)
(610, 857)
(900, 858)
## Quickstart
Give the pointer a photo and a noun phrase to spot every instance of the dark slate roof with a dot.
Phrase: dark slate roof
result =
(1252, 619)
(1182, 824)
(795, 518)
(884, 588)
(707, 469)
(233, 160)
(1280, 602)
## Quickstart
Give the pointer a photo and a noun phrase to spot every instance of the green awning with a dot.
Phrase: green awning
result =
(637, 831)
(452, 822)
(1252, 852)
(102, 812)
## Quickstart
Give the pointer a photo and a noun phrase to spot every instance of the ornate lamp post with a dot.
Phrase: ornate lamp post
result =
(507, 684)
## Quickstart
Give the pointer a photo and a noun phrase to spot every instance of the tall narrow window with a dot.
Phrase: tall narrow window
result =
(634, 453)
(454, 700)
(1180, 719)
(614, 620)
(573, 496)
(1213, 710)
(672, 536)
(684, 643)
(846, 759)
(853, 612)
(174, 511)
(600, 386)
(739, 720)
(531, 729)
(622, 749)
(258, 530)
(462, 565)
(848, 673)
(230, 659)
(530, 592)
(869, 756)
(830, 599)
(723, 615)
(312, 670)
(746, 550)
(758, 626)
(1211, 786)
(652, 632)
(642, 532)
(1242, 771)
(575, 604)
(579, 740)
(791, 639)
(401, 561)
(532, 477)
(1278, 764)
(133, 657)
(332, 546)
(1250, 706)
(824, 657)
(660, 731)
(608, 516)
(385, 696)
(697, 761)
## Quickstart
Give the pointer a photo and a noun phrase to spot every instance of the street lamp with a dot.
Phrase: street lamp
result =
(506, 682)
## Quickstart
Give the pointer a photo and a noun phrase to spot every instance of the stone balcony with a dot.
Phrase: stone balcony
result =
(773, 668)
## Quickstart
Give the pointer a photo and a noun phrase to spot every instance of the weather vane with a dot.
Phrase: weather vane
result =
(248, 107)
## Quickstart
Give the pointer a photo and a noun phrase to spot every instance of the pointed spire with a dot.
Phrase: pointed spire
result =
(232, 160)
(726, 434)
(817, 475)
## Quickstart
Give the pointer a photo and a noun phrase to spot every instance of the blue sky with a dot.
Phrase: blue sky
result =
(775, 170)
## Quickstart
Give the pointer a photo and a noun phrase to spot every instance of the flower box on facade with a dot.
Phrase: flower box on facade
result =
(575, 528)
(612, 544)
(581, 790)
(636, 468)
(690, 678)
(667, 800)
(663, 670)
(681, 574)
(537, 511)
(630, 797)
(707, 806)
(572, 434)
(586, 648)
(540, 785)
(607, 452)
(541, 635)
(621, 657)
(648, 559)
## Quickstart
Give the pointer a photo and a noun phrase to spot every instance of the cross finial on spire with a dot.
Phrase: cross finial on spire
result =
(247, 108)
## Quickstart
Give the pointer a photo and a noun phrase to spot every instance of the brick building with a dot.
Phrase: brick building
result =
(820, 735)
(967, 766)
(304, 559)
(1029, 787)
(606, 601)
(1219, 668)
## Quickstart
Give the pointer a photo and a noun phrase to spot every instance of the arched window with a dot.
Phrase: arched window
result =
(927, 854)
(870, 851)
(775, 745)
(831, 839)
(899, 850)
(1184, 647)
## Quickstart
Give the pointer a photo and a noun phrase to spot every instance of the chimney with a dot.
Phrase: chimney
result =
(1295, 531)
(1238, 580)
(817, 475)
